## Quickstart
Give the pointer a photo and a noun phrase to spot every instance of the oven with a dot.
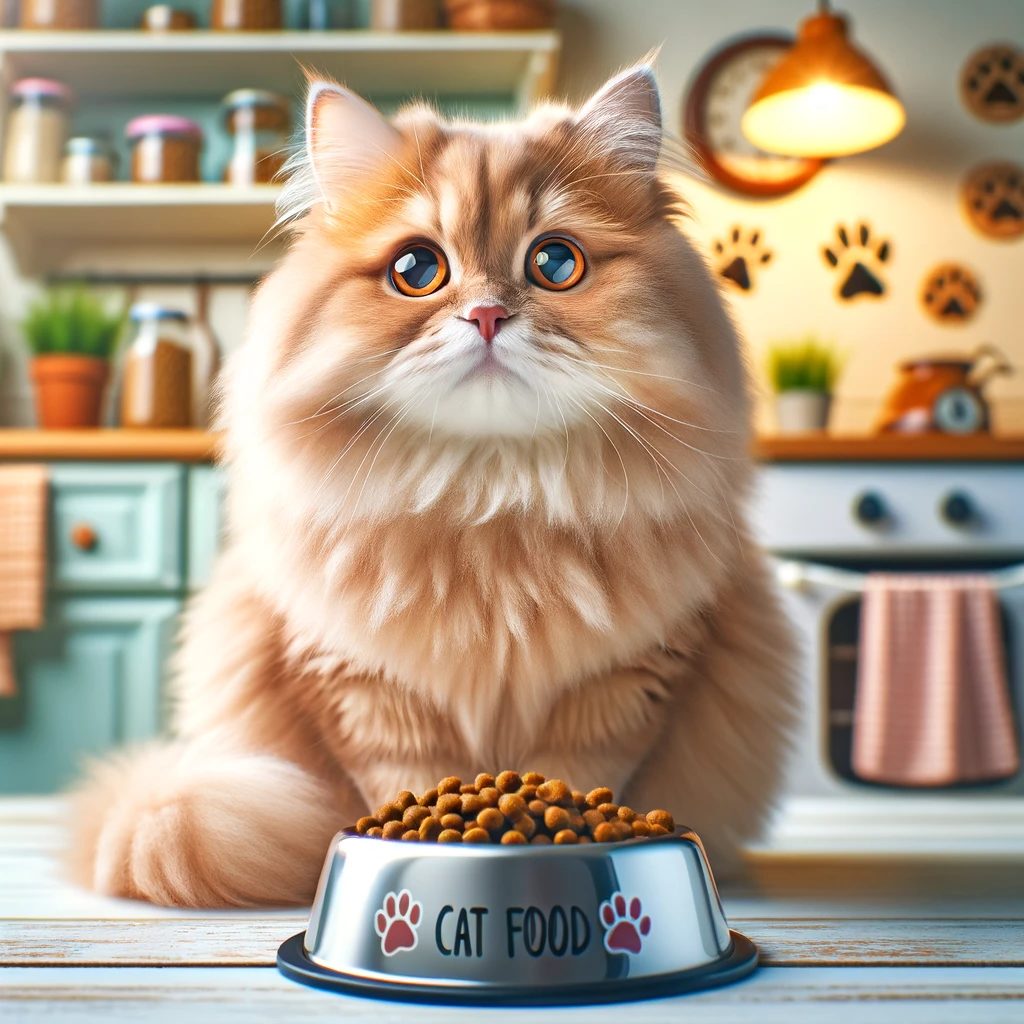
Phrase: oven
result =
(825, 526)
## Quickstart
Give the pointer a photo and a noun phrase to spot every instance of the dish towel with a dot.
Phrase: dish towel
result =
(22, 559)
(932, 705)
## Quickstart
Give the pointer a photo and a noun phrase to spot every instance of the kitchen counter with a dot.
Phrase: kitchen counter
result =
(117, 444)
(70, 955)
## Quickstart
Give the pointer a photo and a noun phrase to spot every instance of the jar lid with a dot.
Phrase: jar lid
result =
(87, 145)
(155, 311)
(163, 124)
(34, 87)
(256, 98)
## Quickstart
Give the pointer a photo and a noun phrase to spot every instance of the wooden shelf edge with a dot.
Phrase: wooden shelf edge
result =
(889, 448)
(113, 444)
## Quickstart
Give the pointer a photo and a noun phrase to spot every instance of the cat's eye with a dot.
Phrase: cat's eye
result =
(555, 263)
(418, 269)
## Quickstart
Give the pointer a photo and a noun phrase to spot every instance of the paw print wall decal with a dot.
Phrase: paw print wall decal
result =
(859, 262)
(396, 922)
(739, 258)
(993, 197)
(950, 293)
(625, 924)
(992, 83)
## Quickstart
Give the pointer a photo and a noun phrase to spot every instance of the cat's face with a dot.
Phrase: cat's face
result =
(520, 282)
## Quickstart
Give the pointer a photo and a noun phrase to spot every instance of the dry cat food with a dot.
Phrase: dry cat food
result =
(513, 809)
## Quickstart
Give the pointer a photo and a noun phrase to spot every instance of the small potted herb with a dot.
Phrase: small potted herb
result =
(803, 375)
(72, 337)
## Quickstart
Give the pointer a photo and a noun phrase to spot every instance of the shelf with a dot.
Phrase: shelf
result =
(105, 64)
(110, 444)
(890, 448)
(203, 228)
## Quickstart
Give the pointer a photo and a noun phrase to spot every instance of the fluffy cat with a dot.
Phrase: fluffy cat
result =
(487, 456)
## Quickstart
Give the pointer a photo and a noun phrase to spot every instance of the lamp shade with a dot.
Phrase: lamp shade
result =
(824, 98)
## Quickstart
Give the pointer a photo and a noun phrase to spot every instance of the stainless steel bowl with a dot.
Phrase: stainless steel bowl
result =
(517, 924)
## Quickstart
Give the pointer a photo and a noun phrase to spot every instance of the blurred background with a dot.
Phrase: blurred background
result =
(869, 247)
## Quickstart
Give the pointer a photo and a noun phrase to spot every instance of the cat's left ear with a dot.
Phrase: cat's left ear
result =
(346, 138)
(624, 118)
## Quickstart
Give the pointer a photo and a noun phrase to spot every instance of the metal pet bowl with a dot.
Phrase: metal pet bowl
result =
(454, 923)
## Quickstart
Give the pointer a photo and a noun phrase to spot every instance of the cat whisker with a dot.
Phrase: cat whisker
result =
(618, 454)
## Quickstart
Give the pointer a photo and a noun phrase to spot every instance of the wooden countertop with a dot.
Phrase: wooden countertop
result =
(201, 446)
(72, 955)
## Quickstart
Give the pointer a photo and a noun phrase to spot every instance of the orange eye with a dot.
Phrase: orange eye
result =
(419, 269)
(555, 263)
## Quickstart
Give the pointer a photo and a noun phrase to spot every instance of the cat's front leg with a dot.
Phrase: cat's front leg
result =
(599, 733)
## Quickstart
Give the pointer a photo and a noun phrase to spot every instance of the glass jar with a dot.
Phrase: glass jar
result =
(165, 148)
(37, 126)
(87, 160)
(248, 15)
(405, 15)
(156, 379)
(62, 15)
(259, 123)
(165, 18)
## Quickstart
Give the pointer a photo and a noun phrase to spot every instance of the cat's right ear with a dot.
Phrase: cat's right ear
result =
(346, 138)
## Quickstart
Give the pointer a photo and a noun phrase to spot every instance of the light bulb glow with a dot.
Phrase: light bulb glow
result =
(823, 119)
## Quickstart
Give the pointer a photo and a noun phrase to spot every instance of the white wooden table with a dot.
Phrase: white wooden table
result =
(837, 945)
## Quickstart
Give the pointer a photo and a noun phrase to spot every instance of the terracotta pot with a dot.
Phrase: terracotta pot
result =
(69, 390)
(508, 15)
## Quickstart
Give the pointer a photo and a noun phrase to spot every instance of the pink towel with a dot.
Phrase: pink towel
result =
(932, 706)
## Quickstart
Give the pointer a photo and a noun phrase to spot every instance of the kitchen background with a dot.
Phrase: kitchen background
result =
(908, 192)
(905, 250)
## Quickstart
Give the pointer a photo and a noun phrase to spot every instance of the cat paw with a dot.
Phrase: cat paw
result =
(396, 922)
(859, 262)
(951, 293)
(625, 924)
(739, 257)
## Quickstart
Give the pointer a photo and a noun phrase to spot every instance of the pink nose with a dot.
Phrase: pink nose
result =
(487, 319)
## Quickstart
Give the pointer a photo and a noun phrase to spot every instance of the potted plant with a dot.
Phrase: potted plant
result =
(803, 375)
(71, 336)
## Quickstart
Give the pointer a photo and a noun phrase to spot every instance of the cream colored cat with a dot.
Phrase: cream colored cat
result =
(487, 457)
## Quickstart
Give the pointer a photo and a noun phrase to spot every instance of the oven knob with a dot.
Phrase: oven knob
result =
(956, 508)
(869, 509)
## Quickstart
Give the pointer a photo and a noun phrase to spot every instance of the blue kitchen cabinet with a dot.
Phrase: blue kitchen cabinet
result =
(90, 679)
(127, 543)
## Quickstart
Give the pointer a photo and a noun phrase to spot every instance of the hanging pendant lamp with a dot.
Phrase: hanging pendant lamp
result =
(824, 98)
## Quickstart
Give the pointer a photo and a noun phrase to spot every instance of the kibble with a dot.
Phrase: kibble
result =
(512, 809)
(394, 830)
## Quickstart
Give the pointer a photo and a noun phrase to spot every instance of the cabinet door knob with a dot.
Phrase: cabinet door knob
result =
(83, 536)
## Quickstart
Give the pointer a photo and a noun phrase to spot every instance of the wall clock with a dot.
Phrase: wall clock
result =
(719, 94)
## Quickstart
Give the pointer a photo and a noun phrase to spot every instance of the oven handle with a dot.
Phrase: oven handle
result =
(800, 575)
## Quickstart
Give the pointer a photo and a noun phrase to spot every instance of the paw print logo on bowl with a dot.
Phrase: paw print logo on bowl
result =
(396, 922)
(950, 293)
(859, 262)
(625, 924)
(993, 195)
(992, 83)
(740, 256)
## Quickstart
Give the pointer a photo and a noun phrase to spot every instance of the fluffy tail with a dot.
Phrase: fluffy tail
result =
(185, 824)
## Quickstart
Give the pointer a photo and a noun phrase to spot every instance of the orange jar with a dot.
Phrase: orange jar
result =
(60, 15)
(246, 15)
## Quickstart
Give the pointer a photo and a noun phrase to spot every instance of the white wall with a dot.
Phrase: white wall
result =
(908, 191)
